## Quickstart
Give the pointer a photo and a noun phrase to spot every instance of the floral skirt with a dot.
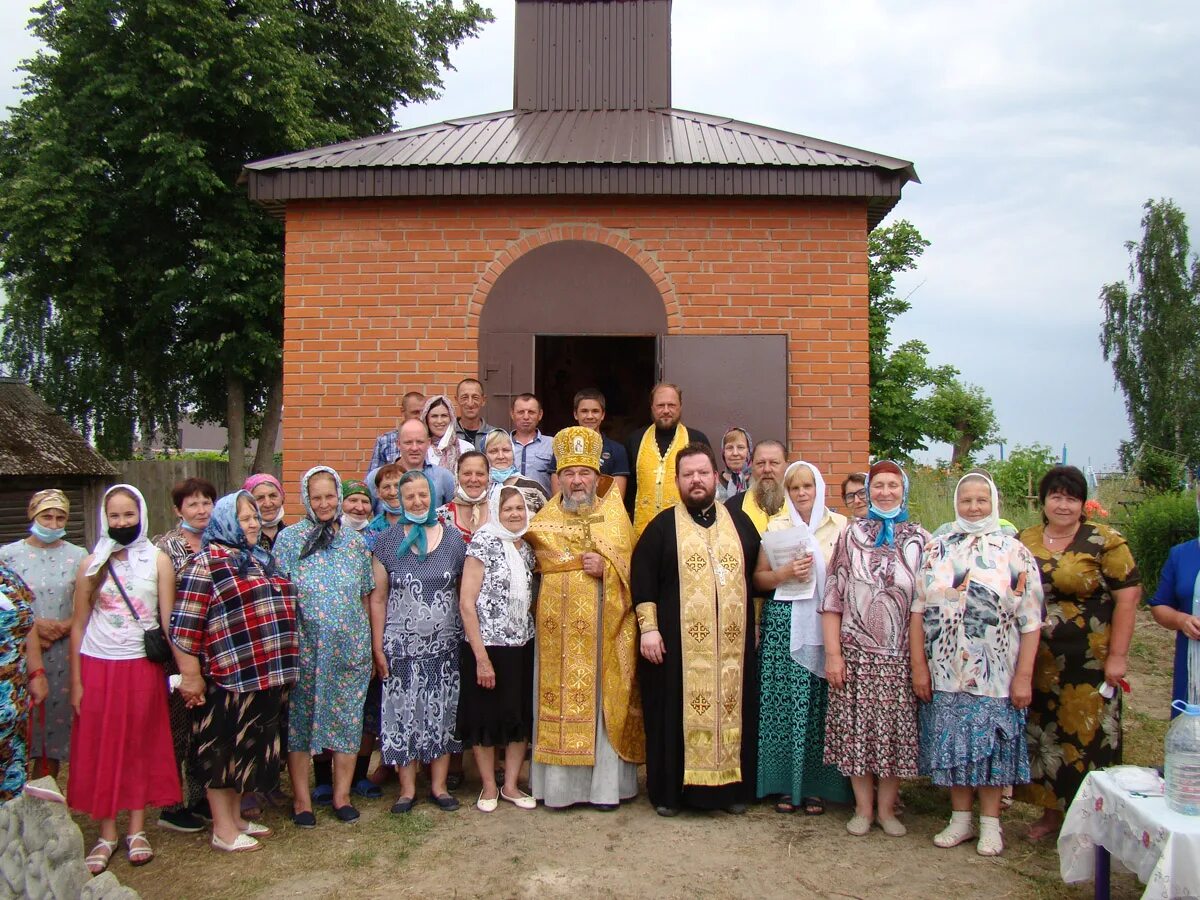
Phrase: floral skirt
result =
(871, 725)
(791, 725)
(969, 741)
(420, 707)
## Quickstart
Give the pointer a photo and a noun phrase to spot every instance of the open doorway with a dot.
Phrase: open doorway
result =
(622, 367)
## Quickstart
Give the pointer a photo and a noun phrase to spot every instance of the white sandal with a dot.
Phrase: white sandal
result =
(959, 831)
(991, 839)
(487, 805)
(144, 854)
(256, 830)
(97, 861)
(521, 801)
(243, 843)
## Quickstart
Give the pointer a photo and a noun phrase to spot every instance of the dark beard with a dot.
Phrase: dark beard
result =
(769, 496)
(700, 504)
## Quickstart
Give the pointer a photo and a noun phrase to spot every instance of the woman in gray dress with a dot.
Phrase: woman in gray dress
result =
(47, 564)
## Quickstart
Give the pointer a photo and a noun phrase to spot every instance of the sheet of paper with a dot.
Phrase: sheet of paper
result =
(782, 547)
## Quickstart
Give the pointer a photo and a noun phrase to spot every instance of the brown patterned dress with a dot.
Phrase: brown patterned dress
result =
(1072, 729)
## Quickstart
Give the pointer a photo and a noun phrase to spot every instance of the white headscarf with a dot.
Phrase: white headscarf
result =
(141, 556)
(519, 576)
(807, 641)
(988, 523)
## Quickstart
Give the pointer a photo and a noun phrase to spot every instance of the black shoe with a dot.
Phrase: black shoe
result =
(403, 805)
(346, 813)
(454, 781)
(606, 807)
(304, 820)
(736, 809)
(667, 812)
(444, 802)
(182, 820)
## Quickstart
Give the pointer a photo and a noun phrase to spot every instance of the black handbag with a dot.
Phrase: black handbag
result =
(158, 648)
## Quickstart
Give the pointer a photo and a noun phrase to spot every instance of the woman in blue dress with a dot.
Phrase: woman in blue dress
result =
(1174, 607)
(416, 630)
(331, 568)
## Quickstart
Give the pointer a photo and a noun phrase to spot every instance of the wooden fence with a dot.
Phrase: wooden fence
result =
(155, 478)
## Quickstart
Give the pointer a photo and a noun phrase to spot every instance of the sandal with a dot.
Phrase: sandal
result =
(365, 787)
(97, 860)
(138, 855)
(322, 794)
(256, 830)
(241, 844)
(785, 806)
(250, 807)
(813, 806)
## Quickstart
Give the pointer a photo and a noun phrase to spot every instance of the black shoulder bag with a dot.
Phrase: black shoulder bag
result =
(158, 649)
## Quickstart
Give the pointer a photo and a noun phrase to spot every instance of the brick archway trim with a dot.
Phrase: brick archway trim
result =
(594, 233)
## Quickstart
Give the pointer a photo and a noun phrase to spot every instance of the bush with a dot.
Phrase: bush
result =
(1023, 467)
(1154, 527)
(1158, 472)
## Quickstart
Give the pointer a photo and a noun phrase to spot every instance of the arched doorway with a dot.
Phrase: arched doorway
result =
(568, 315)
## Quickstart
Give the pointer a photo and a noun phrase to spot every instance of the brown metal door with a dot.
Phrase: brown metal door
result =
(506, 369)
(730, 380)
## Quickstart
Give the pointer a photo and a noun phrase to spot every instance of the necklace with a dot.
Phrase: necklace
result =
(1060, 537)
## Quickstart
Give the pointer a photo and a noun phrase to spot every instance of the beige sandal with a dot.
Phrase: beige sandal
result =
(97, 860)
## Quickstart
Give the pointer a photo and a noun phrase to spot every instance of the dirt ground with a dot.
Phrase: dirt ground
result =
(632, 852)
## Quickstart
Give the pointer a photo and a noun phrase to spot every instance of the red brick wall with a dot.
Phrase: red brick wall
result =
(382, 297)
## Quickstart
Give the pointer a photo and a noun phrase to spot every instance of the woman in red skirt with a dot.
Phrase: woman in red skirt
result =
(121, 752)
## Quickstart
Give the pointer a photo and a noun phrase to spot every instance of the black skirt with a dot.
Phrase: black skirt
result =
(236, 739)
(503, 714)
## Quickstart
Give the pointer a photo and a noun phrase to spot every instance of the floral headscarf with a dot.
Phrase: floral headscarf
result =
(737, 481)
(806, 642)
(518, 573)
(224, 529)
(322, 536)
(445, 451)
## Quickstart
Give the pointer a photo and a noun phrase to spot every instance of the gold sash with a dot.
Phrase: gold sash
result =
(712, 598)
(656, 488)
(586, 629)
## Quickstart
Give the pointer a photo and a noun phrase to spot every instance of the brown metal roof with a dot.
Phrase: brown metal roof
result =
(571, 152)
(669, 137)
(34, 440)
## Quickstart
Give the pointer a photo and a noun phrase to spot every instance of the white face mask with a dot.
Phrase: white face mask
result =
(358, 523)
(278, 518)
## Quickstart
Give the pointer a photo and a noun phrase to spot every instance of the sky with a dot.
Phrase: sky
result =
(1038, 131)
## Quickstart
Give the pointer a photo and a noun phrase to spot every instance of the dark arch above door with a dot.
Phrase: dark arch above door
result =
(571, 287)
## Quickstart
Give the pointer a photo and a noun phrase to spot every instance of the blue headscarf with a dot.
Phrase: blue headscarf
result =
(416, 534)
(223, 528)
(887, 534)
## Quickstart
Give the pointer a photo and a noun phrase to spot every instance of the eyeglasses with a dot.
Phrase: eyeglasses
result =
(860, 496)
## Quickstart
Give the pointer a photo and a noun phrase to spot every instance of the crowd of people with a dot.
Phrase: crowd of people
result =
(589, 605)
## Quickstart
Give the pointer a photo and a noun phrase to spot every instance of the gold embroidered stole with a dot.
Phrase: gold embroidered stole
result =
(712, 621)
(760, 517)
(656, 487)
(586, 629)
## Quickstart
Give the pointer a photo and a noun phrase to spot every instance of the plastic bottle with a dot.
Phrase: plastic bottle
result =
(1183, 760)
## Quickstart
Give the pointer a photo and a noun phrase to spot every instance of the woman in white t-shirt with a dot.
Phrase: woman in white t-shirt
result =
(121, 752)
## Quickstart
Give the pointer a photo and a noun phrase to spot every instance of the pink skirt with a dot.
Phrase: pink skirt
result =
(121, 752)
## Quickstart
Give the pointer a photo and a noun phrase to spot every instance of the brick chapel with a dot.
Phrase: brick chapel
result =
(591, 236)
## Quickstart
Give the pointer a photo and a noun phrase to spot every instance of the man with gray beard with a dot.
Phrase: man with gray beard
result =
(763, 500)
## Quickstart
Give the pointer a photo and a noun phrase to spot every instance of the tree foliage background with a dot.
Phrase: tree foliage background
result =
(141, 282)
(1151, 334)
(912, 401)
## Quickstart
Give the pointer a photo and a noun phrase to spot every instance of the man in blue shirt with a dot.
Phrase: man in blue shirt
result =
(387, 445)
(533, 452)
(414, 442)
(590, 408)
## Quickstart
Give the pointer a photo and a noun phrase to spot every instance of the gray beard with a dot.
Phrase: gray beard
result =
(570, 505)
(769, 496)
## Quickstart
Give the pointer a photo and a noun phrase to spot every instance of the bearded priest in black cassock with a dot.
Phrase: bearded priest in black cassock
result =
(698, 669)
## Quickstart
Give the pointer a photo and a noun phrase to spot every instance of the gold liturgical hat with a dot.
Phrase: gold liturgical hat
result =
(578, 446)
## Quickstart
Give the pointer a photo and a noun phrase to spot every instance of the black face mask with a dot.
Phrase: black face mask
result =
(125, 535)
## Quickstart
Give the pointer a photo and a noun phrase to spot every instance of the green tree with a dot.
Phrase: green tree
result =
(901, 377)
(1017, 476)
(961, 415)
(1150, 333)
(141, 281)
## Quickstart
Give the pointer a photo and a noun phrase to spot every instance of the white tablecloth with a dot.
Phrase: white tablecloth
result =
(1160, 846)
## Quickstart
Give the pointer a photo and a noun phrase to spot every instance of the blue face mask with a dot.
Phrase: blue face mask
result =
(46, 535)
(183, 523)
(393, 510)
(416, 520)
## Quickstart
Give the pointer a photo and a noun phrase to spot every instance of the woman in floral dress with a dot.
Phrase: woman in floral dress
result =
(1092, 589)
(331, 568)
(21, 678)
(416, 630)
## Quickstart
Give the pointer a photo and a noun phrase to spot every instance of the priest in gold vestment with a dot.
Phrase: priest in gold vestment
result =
(588, 732)
(698, 671)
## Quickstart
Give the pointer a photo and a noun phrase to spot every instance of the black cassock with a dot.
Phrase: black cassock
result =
(655, 579)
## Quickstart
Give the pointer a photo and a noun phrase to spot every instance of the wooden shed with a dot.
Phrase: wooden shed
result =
(38, 450)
